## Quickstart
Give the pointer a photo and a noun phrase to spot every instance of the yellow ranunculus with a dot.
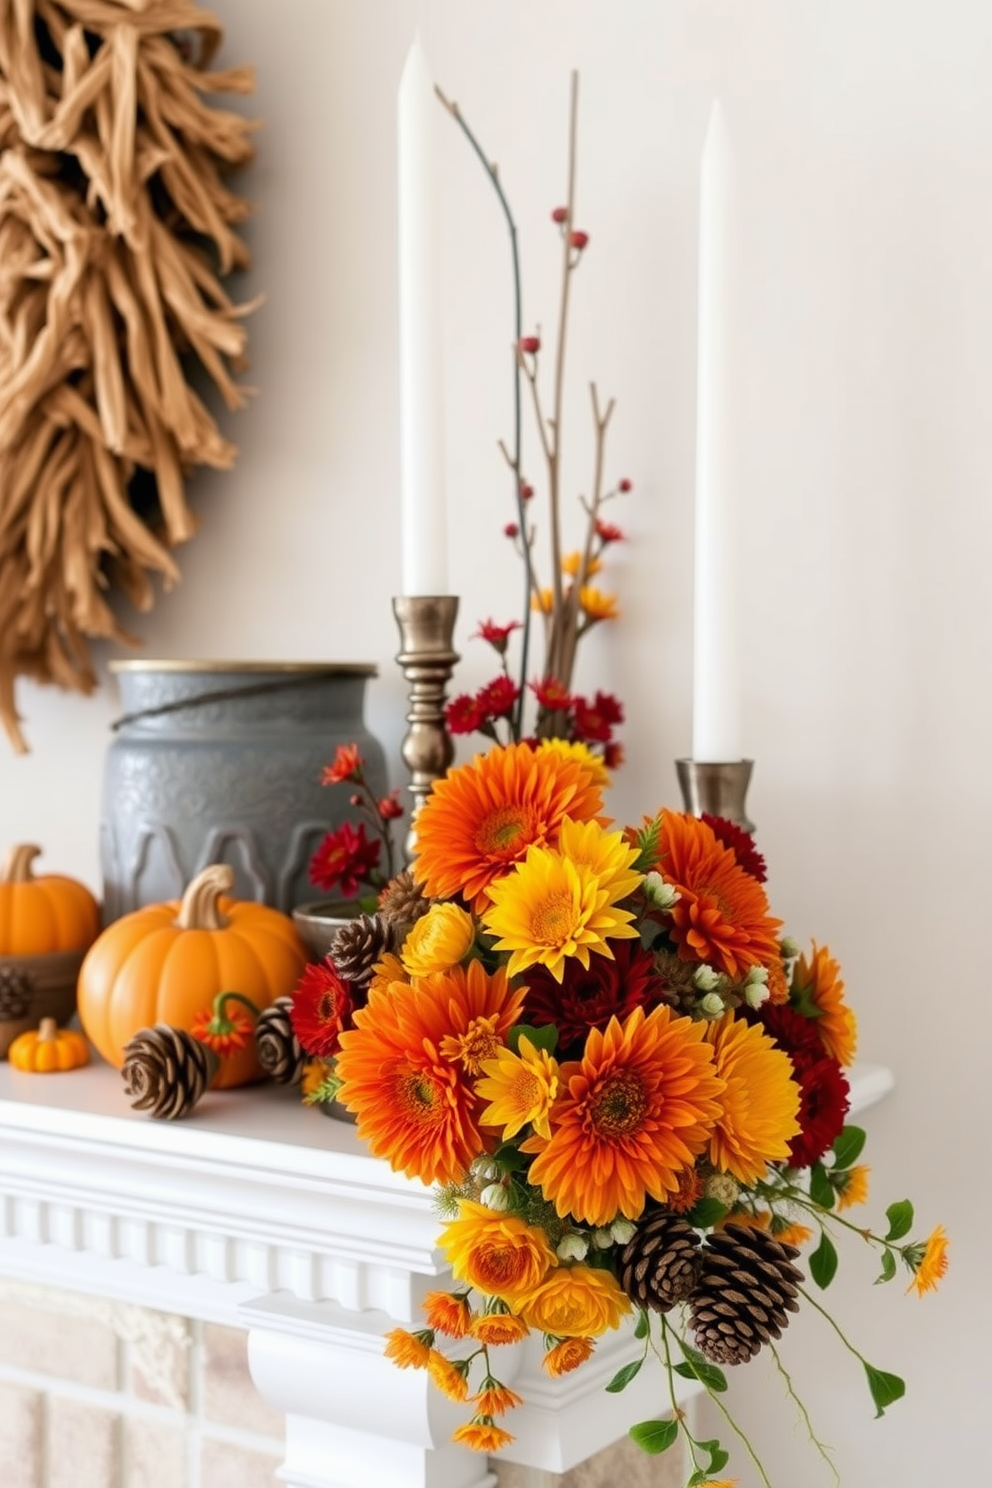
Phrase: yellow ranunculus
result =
(439, 940)
(499, 1254)
(575, 1302)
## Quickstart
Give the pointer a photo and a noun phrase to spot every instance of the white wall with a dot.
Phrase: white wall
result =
(864, 136)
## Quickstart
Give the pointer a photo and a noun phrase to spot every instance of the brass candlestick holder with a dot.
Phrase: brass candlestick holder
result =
(427, 656)
(719, 789)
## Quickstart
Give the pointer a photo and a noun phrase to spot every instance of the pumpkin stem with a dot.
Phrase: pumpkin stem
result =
(16, 867)
(48, 1030)
(199, 909)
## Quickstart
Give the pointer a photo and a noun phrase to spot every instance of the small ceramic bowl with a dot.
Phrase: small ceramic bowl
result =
(318, 922)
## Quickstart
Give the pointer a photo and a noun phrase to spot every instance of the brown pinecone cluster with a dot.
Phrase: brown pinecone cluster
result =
(278, 1048)
(740, 1283)
(357, 947)
(402, 902)
(166, 1070)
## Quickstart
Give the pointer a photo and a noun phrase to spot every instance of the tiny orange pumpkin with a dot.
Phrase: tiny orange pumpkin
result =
(45, 915)
(166, 963)
(48, 1048)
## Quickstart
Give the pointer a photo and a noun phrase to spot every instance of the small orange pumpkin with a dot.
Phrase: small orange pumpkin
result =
(47, 1048)
(167, 962)
(39, 916)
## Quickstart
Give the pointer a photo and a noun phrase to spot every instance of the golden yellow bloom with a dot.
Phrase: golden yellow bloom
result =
(596, 605)
(438, 940)
(818, 981)
(793, 1234)
(575, 749)
(607, 855)
(315, 1072)
(547, 910)
(496, 1400)
(389, 969)
(760, 1102)
(482, 1436)
(852, 1186)
(498, 1254)
(447, 1376)
(495, 1328)
(447, 1314)
(521, 1088)
(408, 1350)
(543, 602)
(567, 1355)
(932, 1265)
(576, 1302)
(571, 561)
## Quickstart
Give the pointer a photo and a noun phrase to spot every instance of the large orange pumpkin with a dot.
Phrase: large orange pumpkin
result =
(46, 915)
(167, 962)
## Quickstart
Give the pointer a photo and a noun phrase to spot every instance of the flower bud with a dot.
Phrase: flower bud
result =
(579, 239)
(602, 1239)
(484, 1168)
(560, 214)
(511, 530)
(572, 1248)
(790, 948)
(495, 1196)
(625, 485)
(755, 993)
(706, 979)
(711, 1005)
(623, 1230)
(526, 490)
(758, 974)
(659, 893)
(530, 344)
(724, 1188)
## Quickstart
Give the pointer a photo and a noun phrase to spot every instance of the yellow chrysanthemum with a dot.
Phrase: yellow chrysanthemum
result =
(576, 1302)
(596, 605)
(496, 1328)
(543, 601)
(408, 1350)
(932, 1265)
(498, 1254)
(818, 982)
(448, 1376)
(388, 969)
(439, 940)
(575, 749)
(547, 910)
(521, 1088)
(607, 855)
(496, 1400)
(571, 562)
(760, 1102)
(851, 1186)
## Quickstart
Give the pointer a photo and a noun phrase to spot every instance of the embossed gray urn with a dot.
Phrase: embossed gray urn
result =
(220, 762)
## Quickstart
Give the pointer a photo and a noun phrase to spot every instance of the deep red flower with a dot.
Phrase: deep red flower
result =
(497, 698)
(625, 485)
(530, 344)
(587, 999)
(792, 1032)
(560, 214)
(496, 635)
(824, 1101)
(389, 807)
(462, 715)
(346, 858)
(579, 239)
(741, 844)
(551, 695)
(346, 765)
(613, 755)
(593, 721)
(609, 707)
(321, 1008)
(608, 532)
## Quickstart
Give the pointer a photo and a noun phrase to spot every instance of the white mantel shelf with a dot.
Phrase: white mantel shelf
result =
(259, 1212)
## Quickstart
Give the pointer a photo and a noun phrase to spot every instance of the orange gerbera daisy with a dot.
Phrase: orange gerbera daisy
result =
(760, 1099)
(637, 1109)
(409, 1062)
(721, 915)
(819, 992)
(482, 817)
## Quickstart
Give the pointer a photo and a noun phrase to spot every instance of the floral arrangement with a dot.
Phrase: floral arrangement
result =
(628, 1087)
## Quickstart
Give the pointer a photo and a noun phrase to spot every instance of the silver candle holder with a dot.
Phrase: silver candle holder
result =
(427, 657)
(719, 789)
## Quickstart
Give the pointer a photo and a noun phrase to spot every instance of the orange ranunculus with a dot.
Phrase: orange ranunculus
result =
(576, 1302)
(498, 1254)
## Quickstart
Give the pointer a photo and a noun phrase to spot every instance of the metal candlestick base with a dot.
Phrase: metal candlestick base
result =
(427, 626)
(718, 789)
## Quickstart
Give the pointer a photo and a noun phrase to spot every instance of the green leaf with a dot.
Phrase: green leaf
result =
(823, 1262)
(545, 1037)
(643, 1325)
(706, 1213)
(820, 1190)
(718, 1457)
(848, 1146)
(885, 1388)
(655, 1436)
(888, 1267)
(698, 1477)
(900, 1217)
(708, 1374)
(623, 1377)
(647, 840)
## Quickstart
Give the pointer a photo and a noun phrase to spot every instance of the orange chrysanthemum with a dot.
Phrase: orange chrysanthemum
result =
(817, 984)
(482, 817)
(566, 1355)
(449, 1376)
(500, 1255)
(637, 1109)
(408, 1063)
(495, 1328)
(721, 915)
(760, 1099)
(931, 1265)
(496, 1400)
(447, 1313)
(852, 1186)
(576, 1302)
(408, 1350)
(482, 1436)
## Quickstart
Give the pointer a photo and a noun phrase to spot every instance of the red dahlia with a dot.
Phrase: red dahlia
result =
(347, 858)
(497, 698)
(321, 1009)
(589, 998)
(741, 844)
(824, 1101)
(462, 715)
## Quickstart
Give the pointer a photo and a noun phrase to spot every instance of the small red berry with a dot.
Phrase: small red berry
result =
(579, 239)
(530, 344)
(511, 530)
(526, 491)
(560, 214)
(625, 485)
(356, 799)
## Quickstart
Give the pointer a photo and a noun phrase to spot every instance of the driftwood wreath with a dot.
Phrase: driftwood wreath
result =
(116, 229)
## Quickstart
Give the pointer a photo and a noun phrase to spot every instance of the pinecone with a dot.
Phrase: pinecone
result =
(745, 1291)
(166, 1070)
(658, 1264)
(359, 945)
(15, 994)
(278, 1048)
(403, 901)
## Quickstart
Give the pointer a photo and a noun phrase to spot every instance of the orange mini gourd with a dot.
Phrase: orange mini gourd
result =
(42, 916)
(49, 1048)
(167, 962)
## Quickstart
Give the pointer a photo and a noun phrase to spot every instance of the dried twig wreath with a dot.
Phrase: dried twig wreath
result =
(116, 227)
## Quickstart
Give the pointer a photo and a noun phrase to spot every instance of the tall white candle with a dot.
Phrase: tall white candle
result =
(716, 710)
(423, 526)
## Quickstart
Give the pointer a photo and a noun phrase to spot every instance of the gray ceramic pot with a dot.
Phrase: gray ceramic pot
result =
(220, 762)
